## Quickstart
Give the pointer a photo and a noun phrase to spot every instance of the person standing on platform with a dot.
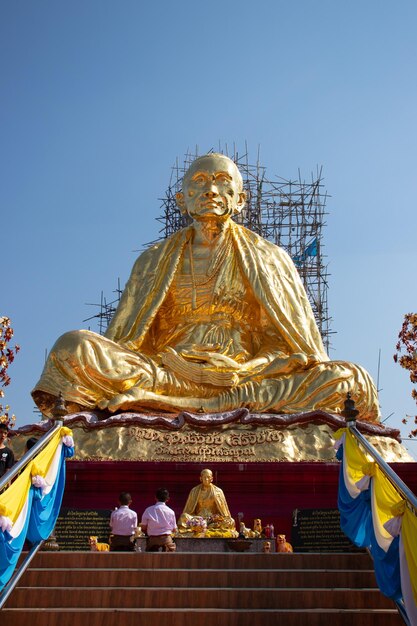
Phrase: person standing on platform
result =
(158, 522)
(6, 454)
(123, 522)
(30, 443)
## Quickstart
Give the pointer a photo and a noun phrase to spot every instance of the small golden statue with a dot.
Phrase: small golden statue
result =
(212, 319)
(257, 526)
(208, 502)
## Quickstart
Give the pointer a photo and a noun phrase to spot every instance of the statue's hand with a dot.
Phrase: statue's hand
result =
(280, 365)
(253, 367)
(286, 365)
(218, 361)
(219, 370)
(202, 368)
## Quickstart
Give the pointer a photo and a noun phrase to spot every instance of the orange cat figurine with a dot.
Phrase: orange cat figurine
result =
(95, 546)
(282, 545)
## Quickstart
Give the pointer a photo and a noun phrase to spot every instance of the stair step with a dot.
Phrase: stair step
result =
(203, 617)
(196, 560)
(194, 597)
(151, 577)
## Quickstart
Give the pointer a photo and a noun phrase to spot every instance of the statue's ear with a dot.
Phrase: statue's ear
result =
(179, 197)
(240, 202)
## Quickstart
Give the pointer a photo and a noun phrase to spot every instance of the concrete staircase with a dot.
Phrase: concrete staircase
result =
(198, 589)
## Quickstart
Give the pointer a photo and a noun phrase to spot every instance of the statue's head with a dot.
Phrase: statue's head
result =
(206, 477)
(212, 189)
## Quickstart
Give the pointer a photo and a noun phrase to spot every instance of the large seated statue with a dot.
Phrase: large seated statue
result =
(206, 500)
(212, 318)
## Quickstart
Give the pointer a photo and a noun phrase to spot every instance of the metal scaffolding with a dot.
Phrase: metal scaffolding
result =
(106, 309)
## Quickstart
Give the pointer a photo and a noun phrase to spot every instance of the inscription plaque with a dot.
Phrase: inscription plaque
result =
(75, 526)
(318, 530)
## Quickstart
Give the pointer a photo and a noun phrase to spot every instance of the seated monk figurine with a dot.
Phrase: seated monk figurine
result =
(212, 319)
(207, 501)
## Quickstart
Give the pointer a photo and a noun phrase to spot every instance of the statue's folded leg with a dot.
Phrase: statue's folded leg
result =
(322, 387)
(89, 369)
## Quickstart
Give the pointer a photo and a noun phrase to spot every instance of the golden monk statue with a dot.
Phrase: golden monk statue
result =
(213, 318)
(207, 501)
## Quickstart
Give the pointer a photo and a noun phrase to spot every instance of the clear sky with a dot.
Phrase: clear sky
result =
(99, 97)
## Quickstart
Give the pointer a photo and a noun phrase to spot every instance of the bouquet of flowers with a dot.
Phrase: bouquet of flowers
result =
(197, 524)
(215, 521)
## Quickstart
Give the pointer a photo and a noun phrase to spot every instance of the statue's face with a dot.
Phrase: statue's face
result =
(206, 477)
(212, 189)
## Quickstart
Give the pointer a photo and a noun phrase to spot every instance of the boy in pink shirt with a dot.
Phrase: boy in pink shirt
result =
(123, 523)
(158, 522)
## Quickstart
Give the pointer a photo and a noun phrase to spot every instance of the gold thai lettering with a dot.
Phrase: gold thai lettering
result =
(203, 452)
(249, 439)
(221, 445)
(145, 433)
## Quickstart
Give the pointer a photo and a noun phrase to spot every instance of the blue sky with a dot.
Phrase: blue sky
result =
(99, 97)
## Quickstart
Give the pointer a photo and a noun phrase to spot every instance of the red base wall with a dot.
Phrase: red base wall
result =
(270, 491)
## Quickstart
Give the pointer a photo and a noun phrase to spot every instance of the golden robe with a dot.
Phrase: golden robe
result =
(204, 503)
(255, 305)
